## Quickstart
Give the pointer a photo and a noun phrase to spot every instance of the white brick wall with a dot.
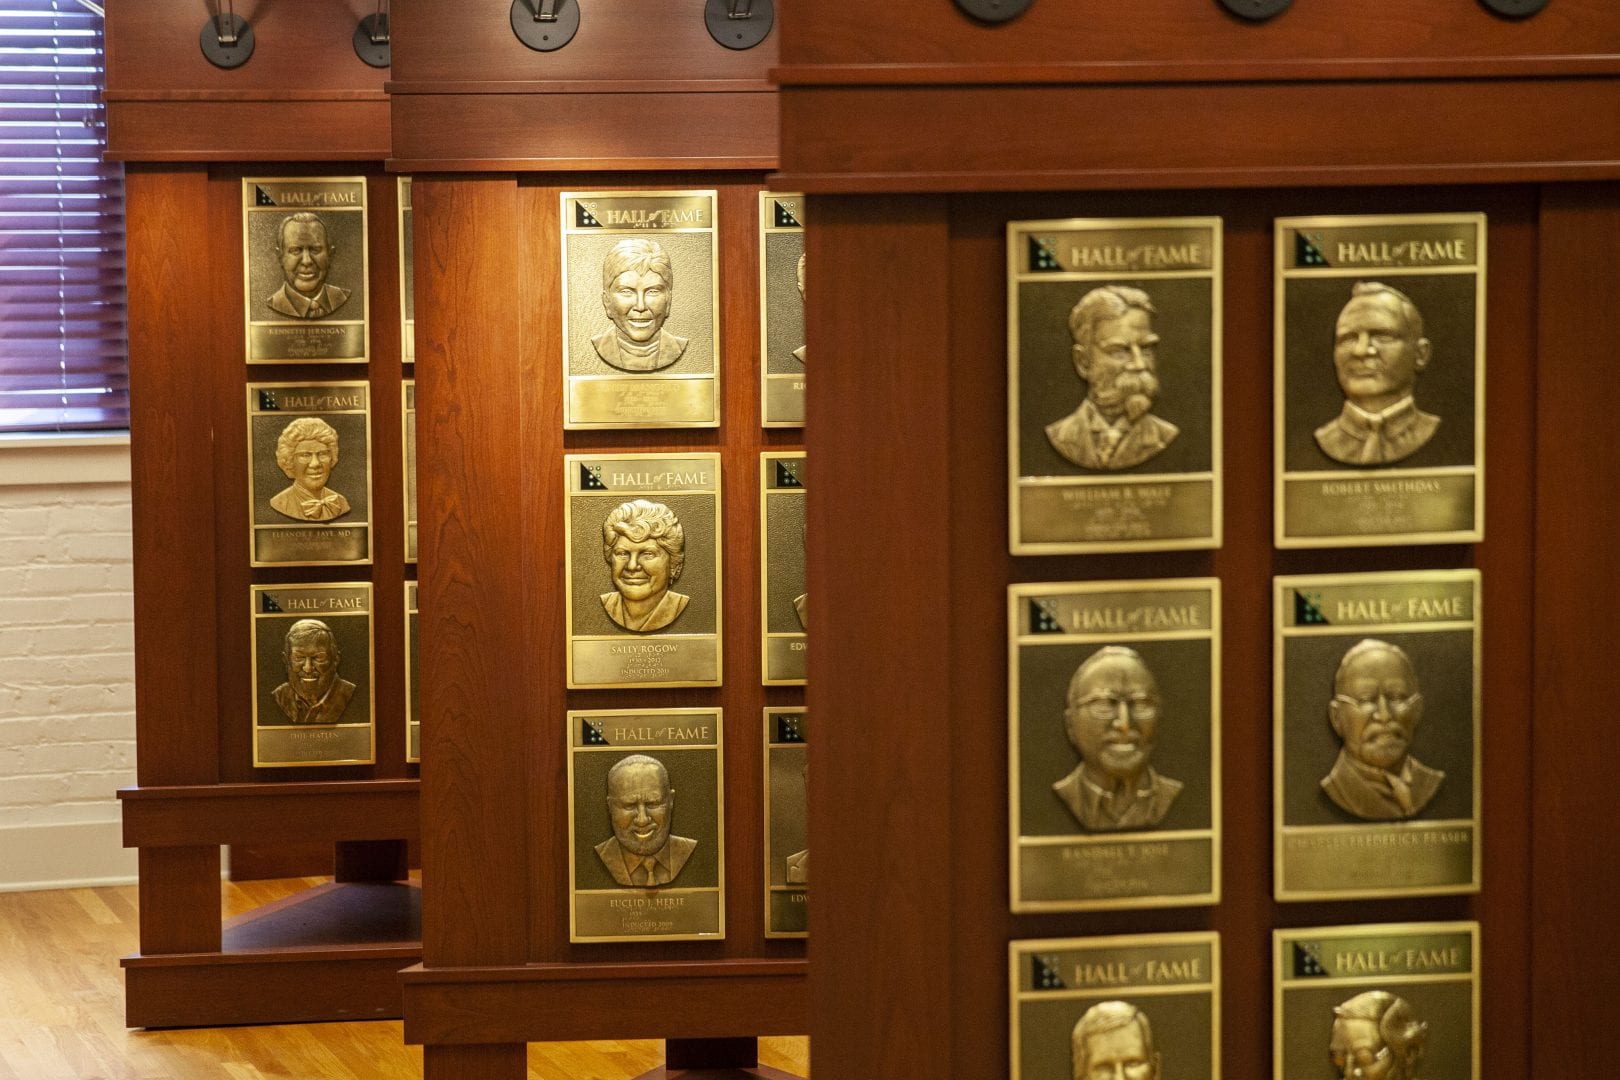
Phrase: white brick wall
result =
(67, 680)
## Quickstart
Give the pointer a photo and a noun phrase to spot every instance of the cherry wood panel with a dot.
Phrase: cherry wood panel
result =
(936, 31)
(506, 132)
(499, 965)
(928, 427)
(618, 40)
(279, 987)
(303, 95)
(199, 789)
(477, 594)
(976, 138)
(1577, 624)
(300, 48)
(169, 409)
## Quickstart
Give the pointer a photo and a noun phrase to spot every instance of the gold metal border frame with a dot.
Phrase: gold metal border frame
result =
(407, 324)
(407, 409)
(1279, 383)
(769, 713)
(371, 671)
(365, 268)
(1021, 591)
(412, 591)
(253, 495)
(1018, 950)
(765, 229)
(564, 232)
(766, 458)
(1280, 936)
(1216, 359)
(1279, 591)
(571, 718)
(572, 461)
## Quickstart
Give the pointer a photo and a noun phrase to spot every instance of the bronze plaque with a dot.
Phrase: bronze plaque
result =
(407, 276)
(1377, 734)
(646, 815)
(783, 598)
(643, 569)
(1114, 384)
(787, 823)
(408, 403)
(1114, 744)
(413, 698)
(304, 270)
(781, 309)
(309, 473)
(641, 310)
(312, 675)
(1379, 1002)
(1380, 380)
(1138, 1007)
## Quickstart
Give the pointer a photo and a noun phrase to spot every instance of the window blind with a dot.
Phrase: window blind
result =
(63, 332)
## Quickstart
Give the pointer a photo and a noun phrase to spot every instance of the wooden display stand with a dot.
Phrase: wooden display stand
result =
(919, 134)
(332, 952)
(642, 98)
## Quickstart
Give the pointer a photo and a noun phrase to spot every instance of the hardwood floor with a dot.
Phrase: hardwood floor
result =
(62, 1011)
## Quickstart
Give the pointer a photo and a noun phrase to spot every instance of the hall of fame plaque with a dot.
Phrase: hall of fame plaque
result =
(1398, 1001)
(641, 309)
(1143, 1005)
(643, 569)
(407, 275)
(646, 822)
(787, 823)
(1114, 384)
(1380, 380)
(1376, 691)
(408, 443)
(781, 308)
(304, 270)
(413, 696)
(1114, 744)
(309, 473)
(784, 601)
(313, 672)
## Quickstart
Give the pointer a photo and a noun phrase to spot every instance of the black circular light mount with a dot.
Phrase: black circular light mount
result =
(739, 24)
(1256, 10)
(994, 11)
(545, 25)
(226, 40)
(371, 41)
(1516, 9)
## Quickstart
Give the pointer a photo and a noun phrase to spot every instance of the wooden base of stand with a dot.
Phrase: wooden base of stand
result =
(758, 1072)
(714, 1059)
(329, 953)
